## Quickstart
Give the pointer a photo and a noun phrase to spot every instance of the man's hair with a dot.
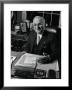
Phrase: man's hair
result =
(41, 19)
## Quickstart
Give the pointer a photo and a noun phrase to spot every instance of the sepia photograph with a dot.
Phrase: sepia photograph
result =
(36, 44)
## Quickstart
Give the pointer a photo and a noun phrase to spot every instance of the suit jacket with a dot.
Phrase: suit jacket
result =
(47, 44)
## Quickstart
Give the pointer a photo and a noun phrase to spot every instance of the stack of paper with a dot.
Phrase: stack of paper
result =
(28, 60)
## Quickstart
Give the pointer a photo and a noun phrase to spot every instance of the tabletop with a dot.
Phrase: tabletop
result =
(40, 67)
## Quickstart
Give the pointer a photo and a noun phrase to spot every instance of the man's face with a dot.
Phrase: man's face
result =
(38, 25)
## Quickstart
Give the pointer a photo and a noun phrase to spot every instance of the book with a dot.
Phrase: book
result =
(28, 60)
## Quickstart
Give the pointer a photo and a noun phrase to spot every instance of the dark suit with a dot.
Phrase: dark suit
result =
(47, 44)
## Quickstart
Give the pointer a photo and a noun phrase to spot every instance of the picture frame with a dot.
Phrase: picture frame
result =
(2, 3)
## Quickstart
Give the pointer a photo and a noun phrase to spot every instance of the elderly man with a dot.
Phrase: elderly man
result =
(40, 41)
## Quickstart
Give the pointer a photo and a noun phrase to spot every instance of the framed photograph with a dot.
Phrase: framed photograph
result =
(34, 43)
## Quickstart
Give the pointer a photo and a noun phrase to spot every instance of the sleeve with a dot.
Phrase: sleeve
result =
(26, 47)
(53, 47)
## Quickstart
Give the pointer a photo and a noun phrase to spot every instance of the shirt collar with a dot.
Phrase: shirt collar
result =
(39, 35)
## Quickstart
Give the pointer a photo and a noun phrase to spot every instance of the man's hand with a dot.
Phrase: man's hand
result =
(45, 60)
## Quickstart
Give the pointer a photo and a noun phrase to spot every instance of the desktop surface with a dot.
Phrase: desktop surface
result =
(41, 71)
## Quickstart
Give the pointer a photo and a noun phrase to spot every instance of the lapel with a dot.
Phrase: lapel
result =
(43, 40)
(33, 39)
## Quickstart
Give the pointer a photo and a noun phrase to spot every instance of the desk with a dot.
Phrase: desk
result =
(45, 67)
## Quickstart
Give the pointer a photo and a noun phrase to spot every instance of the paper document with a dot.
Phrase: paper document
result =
(28, 60)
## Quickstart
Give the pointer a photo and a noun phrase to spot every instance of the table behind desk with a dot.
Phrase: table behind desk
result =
(41, 70)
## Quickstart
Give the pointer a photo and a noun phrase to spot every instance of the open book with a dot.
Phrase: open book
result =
(28, 60)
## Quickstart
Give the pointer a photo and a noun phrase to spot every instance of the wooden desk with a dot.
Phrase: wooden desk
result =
(46, 67)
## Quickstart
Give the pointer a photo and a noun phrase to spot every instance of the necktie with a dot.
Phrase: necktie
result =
(38, 39)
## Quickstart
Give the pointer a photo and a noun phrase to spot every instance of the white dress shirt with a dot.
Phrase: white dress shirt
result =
(39, 36)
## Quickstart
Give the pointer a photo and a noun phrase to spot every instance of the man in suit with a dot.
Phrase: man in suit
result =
(41, 41)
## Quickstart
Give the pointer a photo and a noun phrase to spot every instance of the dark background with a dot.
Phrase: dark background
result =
(51, 17)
